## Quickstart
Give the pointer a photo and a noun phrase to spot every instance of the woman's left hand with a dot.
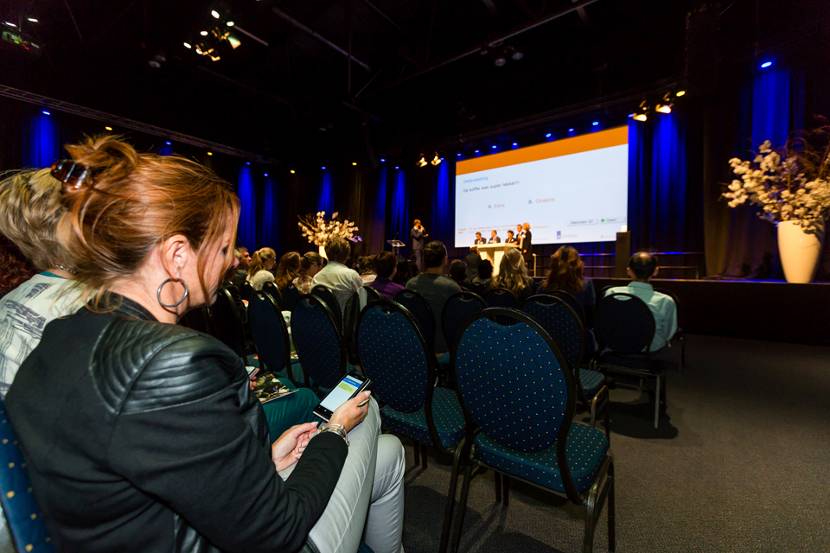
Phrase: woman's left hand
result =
(290, 446)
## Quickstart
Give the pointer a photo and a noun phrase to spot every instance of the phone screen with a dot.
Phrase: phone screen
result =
(341, 393)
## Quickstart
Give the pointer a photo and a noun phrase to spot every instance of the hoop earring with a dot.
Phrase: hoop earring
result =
(181, 300)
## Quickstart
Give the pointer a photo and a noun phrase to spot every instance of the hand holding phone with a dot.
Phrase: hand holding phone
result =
(350, 386)
(352, 413)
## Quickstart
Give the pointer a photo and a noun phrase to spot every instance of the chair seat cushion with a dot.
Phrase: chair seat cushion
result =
(585, 451)
(446, 412)
(591, 381)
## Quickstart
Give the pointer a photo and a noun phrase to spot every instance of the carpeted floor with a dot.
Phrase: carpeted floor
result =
(741, 465)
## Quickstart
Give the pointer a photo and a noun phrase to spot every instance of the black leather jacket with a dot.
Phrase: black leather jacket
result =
(143, 437)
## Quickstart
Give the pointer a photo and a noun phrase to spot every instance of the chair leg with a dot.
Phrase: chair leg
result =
(497, 478)
(458, 458)
(465, 491)
(588, 537)
(612, 521)
(657, 403)
(505, 494)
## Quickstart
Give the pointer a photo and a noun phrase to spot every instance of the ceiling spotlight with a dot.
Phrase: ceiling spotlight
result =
(45, 112)
(354, 164)
(548, 134)
(108, 128)
(323, 168)
(397, 167)
(422, 161)
(187, 45)
(264, 174)
(230, 23)
(477, 152)
(458, 154)
(383, 160)
(32, 20)
(571, 130)
(493, 147)
(168, 143)
(517, 56)
(210, 154)
(500, 61)
(203, 33)
(515, 144)
(642, 116)
(10, 24)
(247, 163)
(436, 160)
(764, 65)
(214, 14)
(663, 108)
(595, 123)
(292, 171)
(680, 93)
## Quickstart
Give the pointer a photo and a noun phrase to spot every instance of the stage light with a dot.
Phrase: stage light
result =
(493, 147)
(292, 171)
(168, 143)
(203, 33)
(214, 14)
(354, 164)
(248, 163)
(45, 112)
(517, 55)
(458, 154)
(515, 144)
(548, 134)
(397, 167)
(640, 117)
(500, 61)
(422, 161)
(323, 168)
(436, 161)
(108, 128)
(477, 152)
(663, 108)
(595, 123)
(766, 64)
(10, 24)
(680, 93)
(383, 160)
(230, 23)
(210, 154)
(187, 45)
(265, 175)
(32, 20)
(571, 130)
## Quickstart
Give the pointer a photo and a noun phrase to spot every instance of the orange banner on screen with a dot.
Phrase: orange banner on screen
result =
(566, 146)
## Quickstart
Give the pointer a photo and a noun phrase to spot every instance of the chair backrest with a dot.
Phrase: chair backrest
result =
(325, 295)
(561, 322)
(227, 321)
(318, 342)
(420, 309)
(624, 323)
(460, 308)
(372, 294)
(514, 383)
(500, 297)
(197, 319)
(246, 291)
(24, 518)
(273, 291)
(350, 315)
(394, 354)
(270, 334)
(571, 300)
(290, 297)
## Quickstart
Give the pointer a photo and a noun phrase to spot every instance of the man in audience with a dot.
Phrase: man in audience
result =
(244, 258)
(472, 260)
(435, 287)
(458, 271)
(642, 267)
(336, 275)
(386, 265)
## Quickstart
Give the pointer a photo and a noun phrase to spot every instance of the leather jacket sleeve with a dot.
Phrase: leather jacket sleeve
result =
(195, 451)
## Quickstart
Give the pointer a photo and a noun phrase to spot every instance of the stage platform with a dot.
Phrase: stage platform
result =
(756, 310)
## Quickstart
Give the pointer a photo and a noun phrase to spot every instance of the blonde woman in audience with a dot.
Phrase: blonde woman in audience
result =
(513, 275)
(30, 208)
(287, 270)
(262, 264)
(310, 265)
(147, 437)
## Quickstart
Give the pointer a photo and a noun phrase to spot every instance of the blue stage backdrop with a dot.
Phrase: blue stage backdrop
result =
(41, 144)
(399, 208)
(247, 218)
(268, 228)
(326, 200)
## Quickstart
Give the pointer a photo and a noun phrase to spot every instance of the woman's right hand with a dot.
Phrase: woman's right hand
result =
(350, 414)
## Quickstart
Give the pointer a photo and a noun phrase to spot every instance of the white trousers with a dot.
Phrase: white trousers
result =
(368, 501)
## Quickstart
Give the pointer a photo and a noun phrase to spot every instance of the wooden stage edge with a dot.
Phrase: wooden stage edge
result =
(755, 310)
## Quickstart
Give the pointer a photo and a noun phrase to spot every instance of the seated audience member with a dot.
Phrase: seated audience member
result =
(30, 208)
(336, 276)
(16, 268)
(405, 271)
(511, 238)
(567, 272)
(262, 264)
(181, 455)
(366, 269)
(642, 267)
(287, 270)
(513, 275)
(386, 265)
(472, 259)
(479, 239)
(435, 287)
(239, 275)
(458, 272)
(310, 264)
(494, 237)
(484, 277)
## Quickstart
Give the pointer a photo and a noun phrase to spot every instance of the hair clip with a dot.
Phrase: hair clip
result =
(71, 174)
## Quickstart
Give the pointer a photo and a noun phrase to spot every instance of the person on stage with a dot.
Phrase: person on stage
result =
(526, 243)
(418, 235)
(494, 237)
(511, 238)
(479, 239)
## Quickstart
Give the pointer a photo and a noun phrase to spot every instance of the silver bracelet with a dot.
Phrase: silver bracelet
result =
(335, 428)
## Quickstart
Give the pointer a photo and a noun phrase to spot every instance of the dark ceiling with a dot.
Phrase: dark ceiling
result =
(421, 72)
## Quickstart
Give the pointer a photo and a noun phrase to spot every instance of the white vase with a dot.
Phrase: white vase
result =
(323, 252)
(799, 252)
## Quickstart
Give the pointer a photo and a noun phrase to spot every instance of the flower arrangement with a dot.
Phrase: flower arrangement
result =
(789, 184)
(317, 230)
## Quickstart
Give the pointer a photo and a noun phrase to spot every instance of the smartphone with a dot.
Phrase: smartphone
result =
(346, 389)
